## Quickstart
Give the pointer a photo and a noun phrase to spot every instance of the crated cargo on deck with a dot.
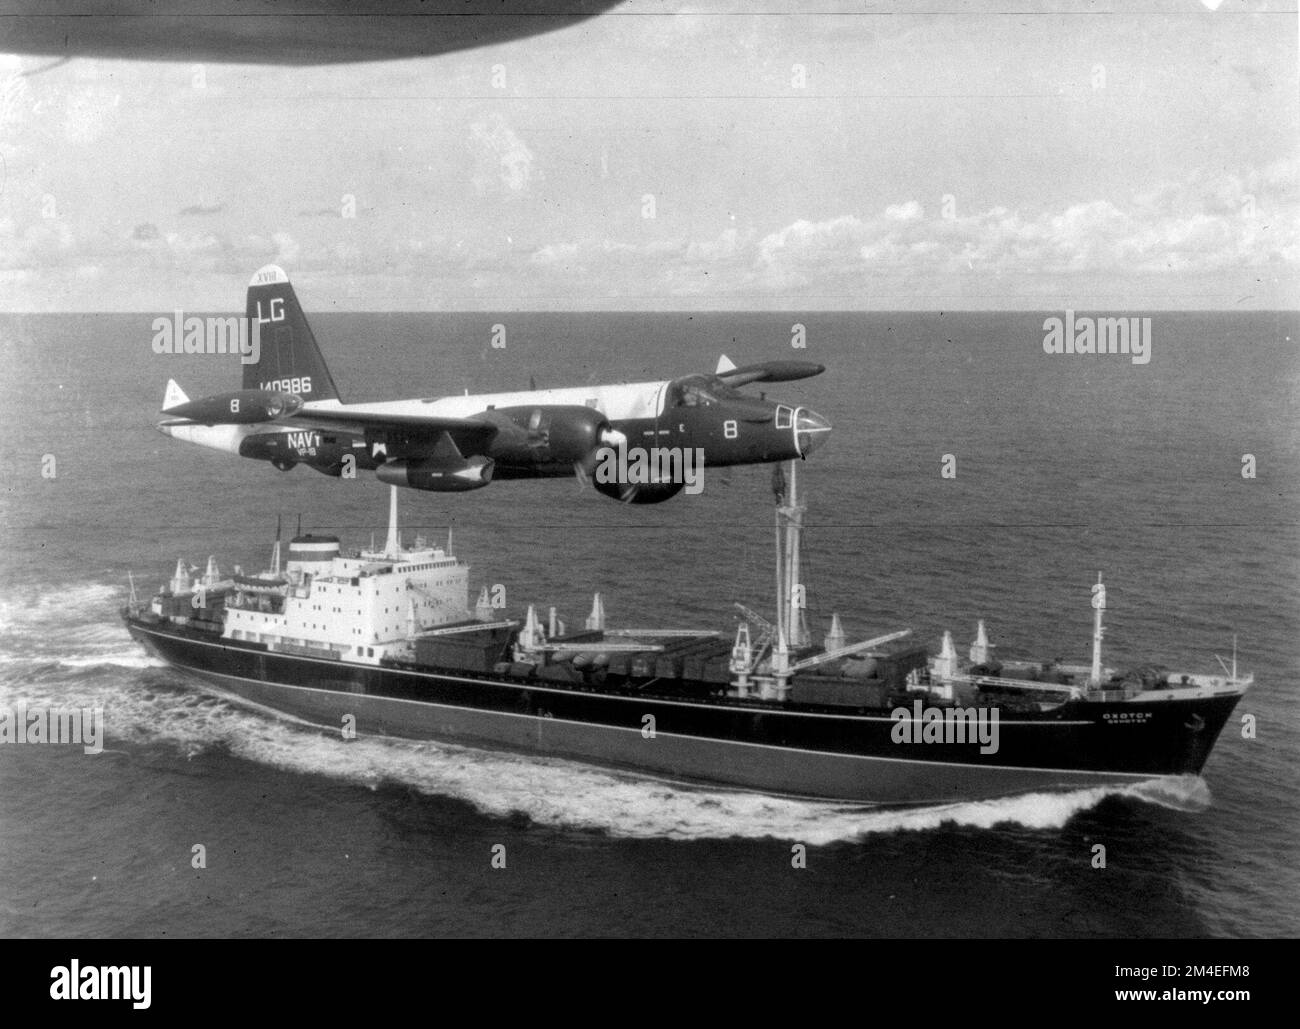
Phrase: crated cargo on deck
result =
(475, 650)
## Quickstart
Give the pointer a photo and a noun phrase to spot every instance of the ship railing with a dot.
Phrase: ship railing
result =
(1074, 692)
(1228, 682)
(685, 633)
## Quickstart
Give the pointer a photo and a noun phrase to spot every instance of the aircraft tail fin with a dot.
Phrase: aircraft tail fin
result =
(724, 365)
(174, 397)
(289, 360)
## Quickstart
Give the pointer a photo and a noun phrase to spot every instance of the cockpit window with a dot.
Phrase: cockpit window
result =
(697, 396)
(698, 391)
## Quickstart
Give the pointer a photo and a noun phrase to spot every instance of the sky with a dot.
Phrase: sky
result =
(771, 156)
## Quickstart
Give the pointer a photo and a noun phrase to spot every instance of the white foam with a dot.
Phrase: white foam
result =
(135, 659)
(81, 603)
(565, 794)
(74, 627)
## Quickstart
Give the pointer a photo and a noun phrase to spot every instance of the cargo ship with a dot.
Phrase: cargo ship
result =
(385, 641)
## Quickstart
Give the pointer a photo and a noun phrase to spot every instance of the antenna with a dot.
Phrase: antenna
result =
(299, 532)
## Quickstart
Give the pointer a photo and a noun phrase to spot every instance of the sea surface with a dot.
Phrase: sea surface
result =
(1066, 465)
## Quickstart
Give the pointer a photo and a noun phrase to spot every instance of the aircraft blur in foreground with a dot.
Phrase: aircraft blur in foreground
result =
(289, 412)
(284, 32)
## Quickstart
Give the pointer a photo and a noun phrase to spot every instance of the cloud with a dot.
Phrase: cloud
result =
(42, 244)
(907, 212)
(1222, 224)
(1203, 223)
(198, 210)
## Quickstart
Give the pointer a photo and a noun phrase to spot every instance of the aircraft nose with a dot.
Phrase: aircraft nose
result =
(810, 431)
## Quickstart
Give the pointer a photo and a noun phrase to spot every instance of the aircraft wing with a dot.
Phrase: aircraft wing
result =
(310, 32)
(403, 434)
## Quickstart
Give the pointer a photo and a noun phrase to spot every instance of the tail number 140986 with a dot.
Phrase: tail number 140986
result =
(298, 385)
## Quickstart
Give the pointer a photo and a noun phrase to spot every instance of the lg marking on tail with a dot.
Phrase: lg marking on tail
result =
(290, 361)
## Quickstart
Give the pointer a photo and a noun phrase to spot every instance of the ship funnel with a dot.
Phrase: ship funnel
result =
(212, 575)
(181, 577)
(483, 609)
(312, 555)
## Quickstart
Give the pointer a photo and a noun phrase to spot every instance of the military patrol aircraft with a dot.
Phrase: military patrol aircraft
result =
(289, 412)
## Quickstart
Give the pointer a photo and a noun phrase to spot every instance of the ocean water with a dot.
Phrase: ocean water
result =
(1066, 465)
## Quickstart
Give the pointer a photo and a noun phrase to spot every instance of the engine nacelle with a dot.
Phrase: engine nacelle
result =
(560, 435)
(472, 473)
(242, 407)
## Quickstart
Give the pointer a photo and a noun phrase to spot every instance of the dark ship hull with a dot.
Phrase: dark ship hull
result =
(690, 731)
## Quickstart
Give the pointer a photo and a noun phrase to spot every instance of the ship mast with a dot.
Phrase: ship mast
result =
(393, 547)
(789, 520)
(791, 631)
(1098, 606)
(780, 650)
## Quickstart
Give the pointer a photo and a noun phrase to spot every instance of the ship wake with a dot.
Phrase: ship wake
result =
(152, 708)
(75, 626)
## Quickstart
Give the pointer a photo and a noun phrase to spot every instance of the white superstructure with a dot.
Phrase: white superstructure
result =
(356, 606)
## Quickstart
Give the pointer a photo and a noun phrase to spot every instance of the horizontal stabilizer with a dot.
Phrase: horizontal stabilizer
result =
(174, 397)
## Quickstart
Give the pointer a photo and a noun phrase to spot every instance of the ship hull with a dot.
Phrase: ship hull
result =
(750, 745)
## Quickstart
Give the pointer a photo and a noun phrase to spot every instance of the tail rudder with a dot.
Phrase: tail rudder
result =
(289, 360)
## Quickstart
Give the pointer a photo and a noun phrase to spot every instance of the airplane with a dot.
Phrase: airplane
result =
(289, 412)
